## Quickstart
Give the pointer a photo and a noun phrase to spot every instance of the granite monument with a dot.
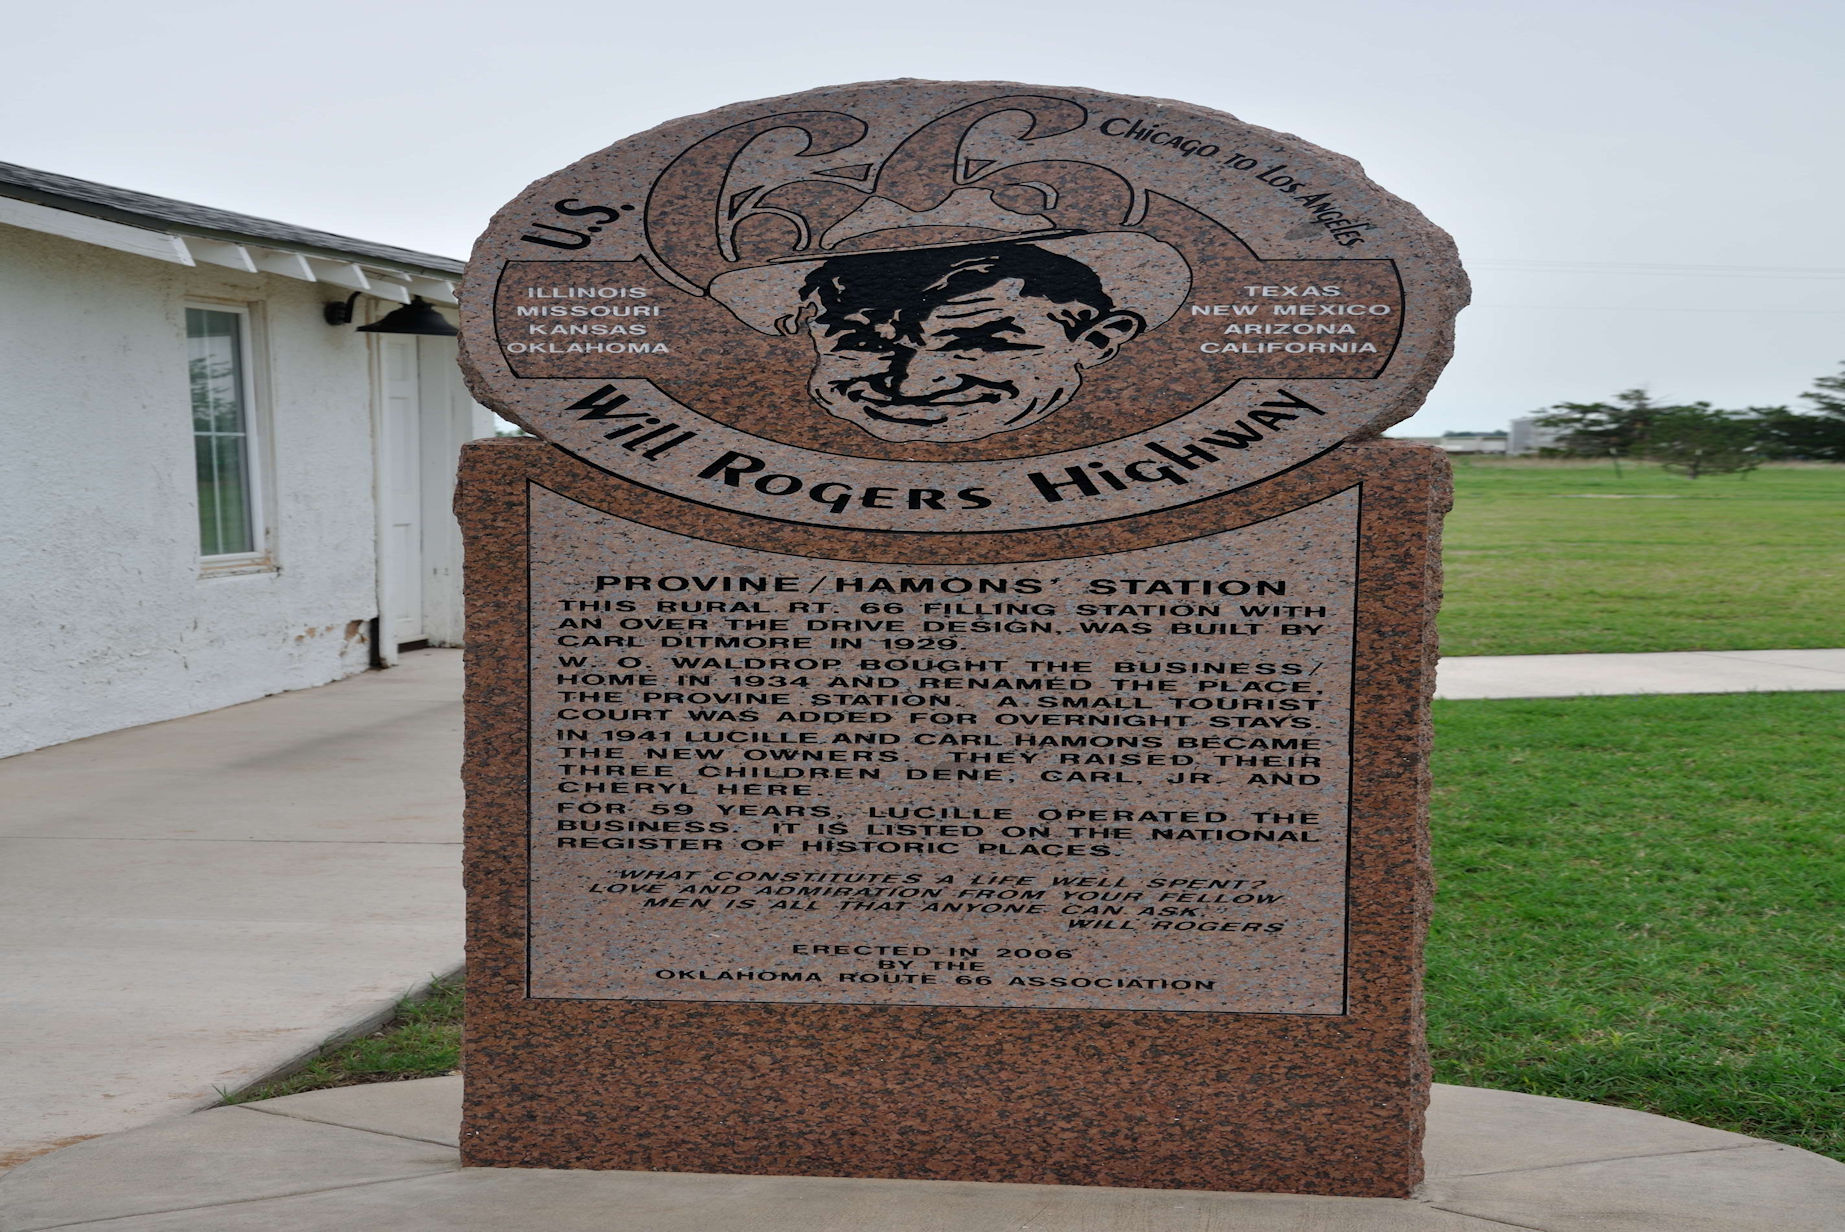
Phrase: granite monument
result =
(948, 689)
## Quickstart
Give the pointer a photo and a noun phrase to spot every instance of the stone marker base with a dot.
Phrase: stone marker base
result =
(1319, 1089)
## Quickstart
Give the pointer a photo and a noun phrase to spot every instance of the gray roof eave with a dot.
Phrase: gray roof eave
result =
(137, 209)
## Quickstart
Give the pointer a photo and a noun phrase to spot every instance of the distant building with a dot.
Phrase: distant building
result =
(1528, 437)
(1462, 442)
(208, 492)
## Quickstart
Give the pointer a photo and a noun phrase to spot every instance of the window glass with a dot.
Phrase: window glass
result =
(221, 431)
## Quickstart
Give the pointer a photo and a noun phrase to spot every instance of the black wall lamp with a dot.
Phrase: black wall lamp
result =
(415, 317)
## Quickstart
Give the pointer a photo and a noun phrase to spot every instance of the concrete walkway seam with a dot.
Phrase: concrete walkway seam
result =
(383, 1133)
(209, 1206)
(1700, 1150)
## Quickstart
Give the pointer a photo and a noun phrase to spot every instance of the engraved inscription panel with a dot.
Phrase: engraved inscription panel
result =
(1117, 781)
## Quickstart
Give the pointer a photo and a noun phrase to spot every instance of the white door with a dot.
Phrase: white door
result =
(450, 418)
(400, 565)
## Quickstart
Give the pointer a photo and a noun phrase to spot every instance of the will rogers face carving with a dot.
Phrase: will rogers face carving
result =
(984, 339)
(923, 340)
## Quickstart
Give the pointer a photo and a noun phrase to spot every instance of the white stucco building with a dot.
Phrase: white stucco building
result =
(207, 492)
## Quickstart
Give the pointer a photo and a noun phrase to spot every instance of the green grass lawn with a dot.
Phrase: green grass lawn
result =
(422, 1041)
(1640, 904)
(1564, 558)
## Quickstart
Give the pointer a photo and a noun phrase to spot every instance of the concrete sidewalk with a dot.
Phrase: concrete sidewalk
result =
(1694, 671)
(384, 1157)
(195, 903)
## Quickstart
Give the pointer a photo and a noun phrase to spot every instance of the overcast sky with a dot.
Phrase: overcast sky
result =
(1585, 154)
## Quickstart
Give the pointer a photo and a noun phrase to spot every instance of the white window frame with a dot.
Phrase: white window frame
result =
(257, 457)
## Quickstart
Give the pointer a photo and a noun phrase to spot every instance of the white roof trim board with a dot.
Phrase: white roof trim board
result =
(287, 264)
(388, 284)
(433, 289)
(143, 243)
(339, 273)
(217, 252)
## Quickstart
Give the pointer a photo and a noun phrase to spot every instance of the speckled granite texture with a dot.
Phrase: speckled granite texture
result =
(1281, 1102)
